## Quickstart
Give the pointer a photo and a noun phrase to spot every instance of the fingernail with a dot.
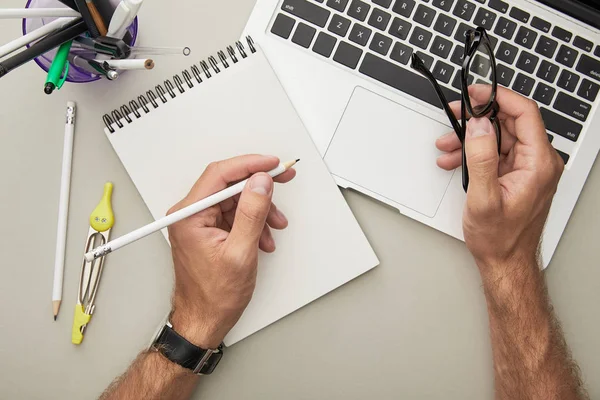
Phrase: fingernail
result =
(281, 215)
(261, 184)
(479, 127)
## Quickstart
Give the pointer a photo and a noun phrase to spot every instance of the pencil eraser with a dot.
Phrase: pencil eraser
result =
(71, 104)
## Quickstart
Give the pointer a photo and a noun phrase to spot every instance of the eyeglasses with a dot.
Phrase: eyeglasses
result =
(478, 60)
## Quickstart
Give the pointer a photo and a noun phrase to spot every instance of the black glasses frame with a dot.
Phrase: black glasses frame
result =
(474, 39)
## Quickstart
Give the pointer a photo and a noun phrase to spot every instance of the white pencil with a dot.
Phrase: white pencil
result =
(7, 13)
(33, 35)
(63, 210)
(129, 64)
(177, 216)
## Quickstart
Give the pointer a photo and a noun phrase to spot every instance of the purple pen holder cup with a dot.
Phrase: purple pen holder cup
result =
(76, 74)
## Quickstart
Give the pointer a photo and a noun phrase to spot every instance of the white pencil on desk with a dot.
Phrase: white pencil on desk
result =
(177, 216)
(34, 35)
(144, 63)
(63, 209)
(8, 13)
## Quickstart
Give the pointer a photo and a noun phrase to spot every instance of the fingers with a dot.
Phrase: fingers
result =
(266, 242)
(276, 219)
(450, 161)
(286, 176)
(251, 214)
(482, 160)
(219, 175)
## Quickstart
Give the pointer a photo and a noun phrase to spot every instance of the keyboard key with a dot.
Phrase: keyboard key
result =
(572, 106)
(283, 26)
(338, 5)
(443, 4)
(464, 9)
(347, 55)
(597, 51)
(484, 18)
(304, 35)
(426, 58)
(461, 32)
(547, 71)
(381, 44)
(443, 72)
(403, 80)
(561, 34)
(504, 75)
(339, 25)
(499, 5)
(540, 24)
(424, 15)
(493, 41)
(561, 125)
(379, 19)
(568, 81)
(550, 137)
(562, 155)
(583, 44)
(307, 11)
(420, 37)
(589, 66)
(523, 84)
(324, 44)
(525, 37)
(481, 65)
(457, 81)
(505, 28)
(441, 47)
(360, 34)
(507, 52)
(566, 56)
(445, 25)
(458, 55)
(401, 53)
(588, 90)
(546, 46)
(519, 15)
(527, 62)
(383, 3)
(400, 28)
(403, 7)
(544, 93)
(359, 10)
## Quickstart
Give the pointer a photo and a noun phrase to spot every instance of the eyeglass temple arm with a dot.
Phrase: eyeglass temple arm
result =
(418, 64)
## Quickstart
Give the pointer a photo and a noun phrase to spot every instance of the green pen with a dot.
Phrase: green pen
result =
(57, 75)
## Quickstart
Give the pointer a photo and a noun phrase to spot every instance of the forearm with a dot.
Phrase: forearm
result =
(531, 358)
(152, 376)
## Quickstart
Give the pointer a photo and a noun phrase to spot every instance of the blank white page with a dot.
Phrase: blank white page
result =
(244, 109)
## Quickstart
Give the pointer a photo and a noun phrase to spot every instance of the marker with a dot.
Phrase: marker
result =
(123, 17)
(57, 74)
(51, 41)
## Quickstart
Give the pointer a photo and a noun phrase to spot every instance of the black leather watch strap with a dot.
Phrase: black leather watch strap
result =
(179, 350)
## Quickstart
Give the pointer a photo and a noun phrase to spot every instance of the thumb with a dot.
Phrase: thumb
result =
(251, 214)
(481, 150)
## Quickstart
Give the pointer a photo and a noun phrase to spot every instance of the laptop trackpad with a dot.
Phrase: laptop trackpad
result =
(386, 148)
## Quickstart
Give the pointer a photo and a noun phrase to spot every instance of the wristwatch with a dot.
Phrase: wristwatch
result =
(180, 351)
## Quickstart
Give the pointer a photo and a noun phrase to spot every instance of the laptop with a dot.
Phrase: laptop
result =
(346, 66)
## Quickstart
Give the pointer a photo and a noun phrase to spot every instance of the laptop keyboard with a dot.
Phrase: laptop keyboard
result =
(376, 38)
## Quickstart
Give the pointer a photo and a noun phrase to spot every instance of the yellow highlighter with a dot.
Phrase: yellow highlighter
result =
(101, 222)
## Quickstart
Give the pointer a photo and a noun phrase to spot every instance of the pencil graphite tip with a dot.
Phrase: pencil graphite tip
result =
(55, 317)
(297, 160)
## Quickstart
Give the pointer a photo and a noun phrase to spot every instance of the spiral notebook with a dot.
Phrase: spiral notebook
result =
(233, 105)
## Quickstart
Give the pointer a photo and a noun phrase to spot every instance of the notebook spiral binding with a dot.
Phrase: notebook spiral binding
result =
(178, 85)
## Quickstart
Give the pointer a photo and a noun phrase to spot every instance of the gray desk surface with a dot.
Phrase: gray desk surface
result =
(413, 328)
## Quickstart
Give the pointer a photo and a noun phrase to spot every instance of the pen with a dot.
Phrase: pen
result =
(63, 210)
(7, 13)
(128, 64)
(71, 31)
(177, 216)
(123, 16)
(87, 17)
(57, 74)
(34, 35)
(110, 73)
